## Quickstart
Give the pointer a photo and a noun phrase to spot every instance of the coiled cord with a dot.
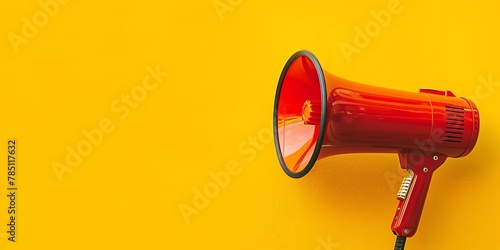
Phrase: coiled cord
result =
(400, 243)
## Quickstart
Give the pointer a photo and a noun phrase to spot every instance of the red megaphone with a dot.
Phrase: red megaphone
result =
(317, 114)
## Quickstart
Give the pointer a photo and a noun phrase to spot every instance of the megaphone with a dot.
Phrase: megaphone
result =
(318, 114)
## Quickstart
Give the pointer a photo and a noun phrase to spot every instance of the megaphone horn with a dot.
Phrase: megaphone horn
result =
(317, 114)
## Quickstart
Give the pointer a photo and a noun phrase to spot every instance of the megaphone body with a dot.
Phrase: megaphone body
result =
(318, 114)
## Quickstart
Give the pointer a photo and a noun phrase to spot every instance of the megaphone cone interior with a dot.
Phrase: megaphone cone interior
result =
(299, 109)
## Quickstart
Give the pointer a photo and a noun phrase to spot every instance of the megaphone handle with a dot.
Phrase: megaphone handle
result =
(412, 200)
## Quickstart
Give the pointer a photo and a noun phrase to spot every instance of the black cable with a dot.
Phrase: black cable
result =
(400, 243)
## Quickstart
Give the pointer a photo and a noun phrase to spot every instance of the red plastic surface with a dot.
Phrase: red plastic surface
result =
(296, 138)
(364, 118)
(409, 210)
(368, 119)
(359, 118)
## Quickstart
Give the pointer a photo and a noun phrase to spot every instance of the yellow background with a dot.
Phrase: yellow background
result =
(215, 108)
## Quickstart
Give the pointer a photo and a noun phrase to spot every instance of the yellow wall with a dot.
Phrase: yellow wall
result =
(157, 97)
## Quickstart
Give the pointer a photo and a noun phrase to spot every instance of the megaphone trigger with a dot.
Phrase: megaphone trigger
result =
(413, 192)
